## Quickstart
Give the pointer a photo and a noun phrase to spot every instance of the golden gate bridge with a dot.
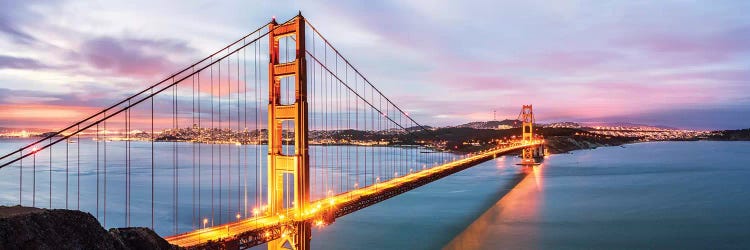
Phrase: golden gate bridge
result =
(263, 162)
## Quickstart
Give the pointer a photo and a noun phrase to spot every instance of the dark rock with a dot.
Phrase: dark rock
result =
(35, 228)
(140, 238)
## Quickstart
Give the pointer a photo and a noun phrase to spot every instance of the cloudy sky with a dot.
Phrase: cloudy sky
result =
(676, 63)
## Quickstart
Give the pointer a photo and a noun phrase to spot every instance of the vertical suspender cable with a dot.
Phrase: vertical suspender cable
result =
(78, 168)
(105, 169)
(33, 180)
(97, 170)
(221, 207)
(67, 170)
(256, 92)
(152, 159)
(175, 193)
(200, 143)
(20, 178)
(229, 129)
(192, 135)
(212, 137)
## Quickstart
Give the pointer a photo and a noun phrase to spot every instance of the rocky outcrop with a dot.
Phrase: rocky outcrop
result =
(34, 228)
(139, 238)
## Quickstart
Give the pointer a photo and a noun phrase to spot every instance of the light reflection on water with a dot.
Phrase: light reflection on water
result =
(667, 195)
(507, 220)
(653, 195)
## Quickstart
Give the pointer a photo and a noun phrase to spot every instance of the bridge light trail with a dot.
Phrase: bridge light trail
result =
(335, 203)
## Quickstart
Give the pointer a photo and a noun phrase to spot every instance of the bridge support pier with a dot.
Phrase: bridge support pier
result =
(288, 167)
(297, 238)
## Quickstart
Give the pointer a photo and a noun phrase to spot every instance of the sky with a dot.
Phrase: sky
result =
(682, 64)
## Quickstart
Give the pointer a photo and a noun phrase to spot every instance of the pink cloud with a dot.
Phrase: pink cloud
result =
(562, 60)
(119, 58)
(690, 48)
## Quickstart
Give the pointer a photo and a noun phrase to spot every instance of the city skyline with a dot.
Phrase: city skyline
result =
(671, 63)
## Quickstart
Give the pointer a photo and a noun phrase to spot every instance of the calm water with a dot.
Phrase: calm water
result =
(650, 195)
(200, 172)
(676, 195)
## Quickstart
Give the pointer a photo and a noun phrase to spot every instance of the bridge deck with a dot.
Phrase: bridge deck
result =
(255, 231)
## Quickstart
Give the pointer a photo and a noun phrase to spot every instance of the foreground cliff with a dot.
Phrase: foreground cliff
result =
(34, 228)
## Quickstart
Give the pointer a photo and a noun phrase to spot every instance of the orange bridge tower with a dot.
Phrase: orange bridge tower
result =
(529, 154)
(292, 166)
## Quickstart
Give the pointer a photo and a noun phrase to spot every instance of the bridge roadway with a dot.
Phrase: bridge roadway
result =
(250, 232)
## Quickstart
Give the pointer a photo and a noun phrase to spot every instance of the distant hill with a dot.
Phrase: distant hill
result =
(563, 125)
(491, 124)
(731, 135)
(418, 128)
(624, 125)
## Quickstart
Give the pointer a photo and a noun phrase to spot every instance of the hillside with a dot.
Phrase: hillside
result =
(730, 135)
(491, 124)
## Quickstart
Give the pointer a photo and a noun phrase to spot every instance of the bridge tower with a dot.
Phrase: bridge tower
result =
(294, 166)
(527, 131)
